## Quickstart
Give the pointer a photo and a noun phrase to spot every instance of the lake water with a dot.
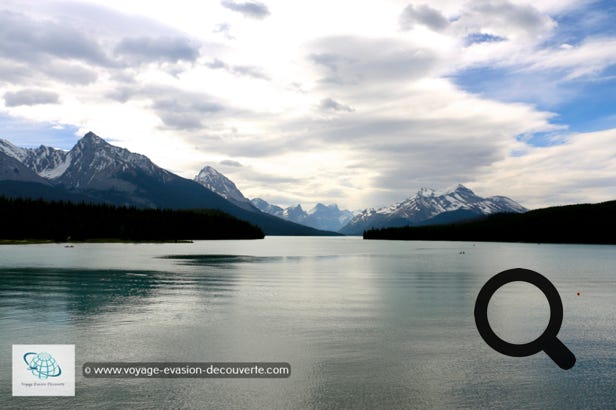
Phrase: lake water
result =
(364, 324)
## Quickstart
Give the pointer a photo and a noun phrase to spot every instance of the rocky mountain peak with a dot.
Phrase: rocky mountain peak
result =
(427, 204)
(215, 181)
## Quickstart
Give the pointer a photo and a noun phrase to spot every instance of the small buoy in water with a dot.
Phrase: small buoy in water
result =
(578, 293)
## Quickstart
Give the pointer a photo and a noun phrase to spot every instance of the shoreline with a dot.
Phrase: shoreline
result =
(102, 240)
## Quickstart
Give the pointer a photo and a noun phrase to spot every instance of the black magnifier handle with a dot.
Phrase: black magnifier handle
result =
(558, 352)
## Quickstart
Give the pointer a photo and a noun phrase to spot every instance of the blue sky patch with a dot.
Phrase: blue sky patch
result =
(26, 133)
(582, 105)
(595, 20)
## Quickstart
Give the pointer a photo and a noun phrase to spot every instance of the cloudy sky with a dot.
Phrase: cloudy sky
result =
(356, 103)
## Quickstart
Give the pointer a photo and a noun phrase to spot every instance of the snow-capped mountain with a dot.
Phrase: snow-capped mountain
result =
(94, 164)
(266, 207)
(11, 169)
(47, 162)
(327, 217)
(96, 171)
(12, 151)
(295, 213)
(223, 186)
(428, 204)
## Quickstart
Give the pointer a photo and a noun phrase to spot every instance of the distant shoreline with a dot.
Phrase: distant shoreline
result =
(105, 240)
(592, 224)
(38, 221)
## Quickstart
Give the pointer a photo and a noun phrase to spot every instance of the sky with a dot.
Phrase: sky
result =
(355, 103)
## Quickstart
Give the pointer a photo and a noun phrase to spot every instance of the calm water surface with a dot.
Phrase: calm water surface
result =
(364, 324)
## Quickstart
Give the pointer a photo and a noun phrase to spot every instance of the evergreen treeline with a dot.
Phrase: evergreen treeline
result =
(587, 223)
(23, 219)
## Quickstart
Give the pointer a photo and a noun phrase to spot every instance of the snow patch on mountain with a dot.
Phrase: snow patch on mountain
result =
(215, 181)
(12, 151)
(12, 169)
(46, 161)
(326, 217)
(266, 207)
(426, 204)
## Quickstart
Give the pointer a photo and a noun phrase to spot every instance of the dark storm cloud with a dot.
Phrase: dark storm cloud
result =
(238, 70)
(252, 9)
(422, 15)
(146, 49)
(329, 104)
(357, 60)
(35, 41)
(30, 97)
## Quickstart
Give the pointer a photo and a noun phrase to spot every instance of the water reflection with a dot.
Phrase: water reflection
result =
(83, 293)
(76, 291)
(218, 260)
(363, 324)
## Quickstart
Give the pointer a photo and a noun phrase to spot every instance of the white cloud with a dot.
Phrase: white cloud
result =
(579, 170)
(590, 57)
(320, 101)
(423, 15)
(252, 9)
(329, 104)
(30, 97)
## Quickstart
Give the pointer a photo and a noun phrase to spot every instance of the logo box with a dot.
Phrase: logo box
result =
(43, 370)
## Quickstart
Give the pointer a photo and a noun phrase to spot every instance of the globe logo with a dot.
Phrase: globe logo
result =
(42, 365)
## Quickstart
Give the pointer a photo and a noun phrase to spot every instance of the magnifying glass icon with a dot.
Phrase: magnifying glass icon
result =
(548, 342)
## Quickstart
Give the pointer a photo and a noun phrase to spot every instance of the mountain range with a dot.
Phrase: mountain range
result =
(430, 207)
(328, 217)
(582, 223)
(324, 217)
(427, 207)
(98, 172)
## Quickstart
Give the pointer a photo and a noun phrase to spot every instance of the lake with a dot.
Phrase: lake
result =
(363, 324)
